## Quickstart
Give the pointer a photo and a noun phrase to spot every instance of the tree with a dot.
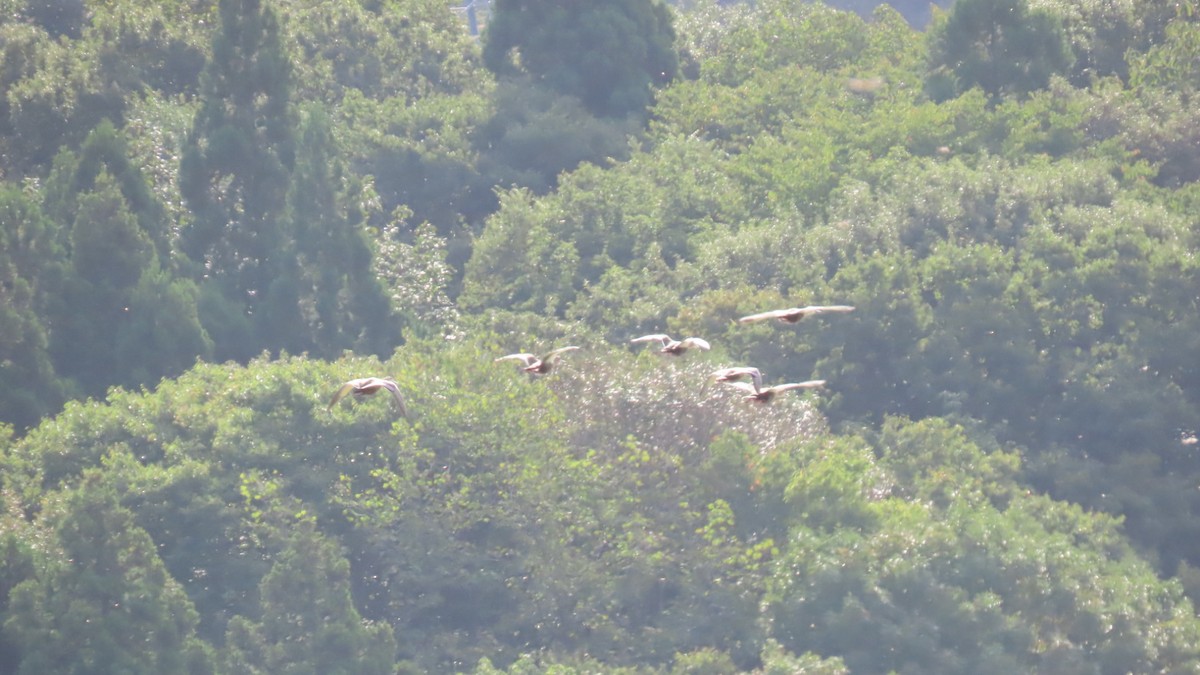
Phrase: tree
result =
(162, 335)
(331, 272)
(19, 556)
(309, 625)
(54, 98)
(609, 54)
(1170, 64)
(140, 323)
(21, 46)
(73, 175)
(416, 49)
(235, 169)
(121, 295)
(109, 254)
(108, 605)
(999, 45)
(31, 267)
(137, 47)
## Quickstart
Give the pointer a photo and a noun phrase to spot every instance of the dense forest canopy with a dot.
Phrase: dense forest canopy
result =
(216, 213)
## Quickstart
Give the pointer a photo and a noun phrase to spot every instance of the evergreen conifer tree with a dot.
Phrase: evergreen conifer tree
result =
(235, 170)
(108, 606)
(309, 623)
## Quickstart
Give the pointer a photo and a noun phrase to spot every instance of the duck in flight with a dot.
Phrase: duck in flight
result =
(739, 373)
(760, 394)
(674, 347)
(537, 365)
(368, 386)
(794, 314)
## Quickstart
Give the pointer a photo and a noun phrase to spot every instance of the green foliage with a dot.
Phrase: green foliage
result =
(608, 54)
(23, 545)
(1011, 588)
(417, 279)
(1017, 239)
(308, 623)
(19, 49)
(106, 150)
(1002, 46)
(54, 98)
(235, 167)
(416, 50)
(620, 507)
(108, 604)
(138, 46)
(142, 324)
(422, 156)
(57, 17)
(535, 134)
(1169, 64)
(343, 303)
(31, 263)
(1100, 34)
(788, 33)
(649, 212)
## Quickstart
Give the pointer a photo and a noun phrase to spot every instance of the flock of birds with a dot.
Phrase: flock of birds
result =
(745, 378)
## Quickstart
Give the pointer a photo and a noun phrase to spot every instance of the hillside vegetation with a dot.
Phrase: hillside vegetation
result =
(215, 213)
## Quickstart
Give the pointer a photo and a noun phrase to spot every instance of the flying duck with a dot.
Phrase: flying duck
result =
(534, 364)
(674, 347)
(369, 386)
(794, 314)
(737, 373)
(761, 394)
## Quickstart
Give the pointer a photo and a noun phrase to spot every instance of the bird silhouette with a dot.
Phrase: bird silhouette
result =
(738, 373)
(762, 394)
(674, 347)
(369, 386)
(534, 364)
(794, 314)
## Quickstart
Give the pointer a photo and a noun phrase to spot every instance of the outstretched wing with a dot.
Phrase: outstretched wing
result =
(551, 356)
(810, 384)
(525, 359)
(657, 337)
(823, 309)
(698, 343)
(773, 314)
(392, 387)
(738, 372)
(341, 393)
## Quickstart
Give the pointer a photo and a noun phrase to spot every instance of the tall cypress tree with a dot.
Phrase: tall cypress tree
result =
(236, 167)
(140, 323)
(119, 293)
(335, 280)
(31, 265)
(106, 149)
(109, 253)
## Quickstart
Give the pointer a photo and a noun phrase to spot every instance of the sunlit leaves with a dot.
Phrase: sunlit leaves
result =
(1170, 63)
(416, 49)
(1009, 589)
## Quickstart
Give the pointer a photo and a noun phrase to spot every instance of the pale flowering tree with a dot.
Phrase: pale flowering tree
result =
(416, 277)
